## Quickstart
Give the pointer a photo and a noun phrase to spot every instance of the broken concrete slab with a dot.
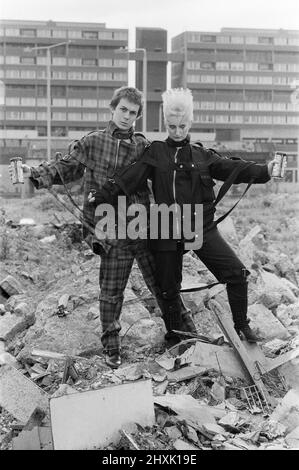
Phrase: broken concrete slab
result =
(265, 323)
(39, 438)
(212, 356)
(11, 325)
(287, 411)
(292, 439)
(187, 408)
(6, 358)
(92, 419)
(19, 395)
(185, 373)
(11, 286)
(269, 282)
(180, 444)
(145, 331)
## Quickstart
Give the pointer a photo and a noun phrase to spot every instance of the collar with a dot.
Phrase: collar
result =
(181, 143)
(118, 133)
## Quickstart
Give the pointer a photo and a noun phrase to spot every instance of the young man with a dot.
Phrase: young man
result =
(97, 156)
(182, 173)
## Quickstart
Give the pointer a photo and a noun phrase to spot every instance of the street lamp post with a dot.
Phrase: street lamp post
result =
(48, 49)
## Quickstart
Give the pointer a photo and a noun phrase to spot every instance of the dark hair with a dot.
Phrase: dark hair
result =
(131, 94)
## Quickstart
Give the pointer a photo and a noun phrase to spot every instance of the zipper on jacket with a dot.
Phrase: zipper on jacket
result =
(116, 157)
(173, 187)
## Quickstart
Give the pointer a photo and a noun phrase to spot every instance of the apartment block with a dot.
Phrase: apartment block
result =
(242, 81)
(85, 67)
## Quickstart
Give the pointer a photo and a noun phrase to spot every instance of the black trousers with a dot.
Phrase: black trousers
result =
(223, 263)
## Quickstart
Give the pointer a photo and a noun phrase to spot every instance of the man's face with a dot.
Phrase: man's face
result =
(125, 114)
(177, 126)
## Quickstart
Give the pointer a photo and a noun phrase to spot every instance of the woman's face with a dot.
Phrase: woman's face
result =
(177, 126)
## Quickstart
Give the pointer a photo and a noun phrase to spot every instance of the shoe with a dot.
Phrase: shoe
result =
(248, 334)
(113, 360)
(188, 324)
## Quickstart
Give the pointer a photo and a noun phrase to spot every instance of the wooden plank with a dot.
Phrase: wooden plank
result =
(251, 367)
(185, 373)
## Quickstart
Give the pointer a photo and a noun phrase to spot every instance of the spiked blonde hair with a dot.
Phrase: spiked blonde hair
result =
(178, 102)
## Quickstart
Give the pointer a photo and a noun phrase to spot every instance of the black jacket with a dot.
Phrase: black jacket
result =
(182, 173)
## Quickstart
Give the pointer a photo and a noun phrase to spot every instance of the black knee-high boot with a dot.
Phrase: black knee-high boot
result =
(238, 300)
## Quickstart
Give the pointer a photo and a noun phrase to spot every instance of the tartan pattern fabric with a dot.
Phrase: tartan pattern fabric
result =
(96, 156)
(114, 273)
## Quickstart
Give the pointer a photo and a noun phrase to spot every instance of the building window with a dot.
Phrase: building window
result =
(237, 66)
(89, 34)
(59, 116)
(220, 105)
(89, 62)
(251, 66)
(206, 105)
(279, 106)
(236, 79)
(105, 35)
(105, 76)
(58, 60)
(120, 63)
(58, 33)
(41, 101)
(104, 103)
(74, 75)
(12, 59)
(74, 61)
(264, 119)
(280, 67)
(28, 32)
(280, 41)
(27, 73)
(251, 106)
(89, 116)
(12, 32)
(103, 117)
(89, 75)
(12, 74)
(265, 106)
(221, 118)
(59, 102)
(265, 40)
(57, 75)
(222, 65)
(75, 34)
(293, 67)
(27, 60)
(121, 35)
(41, 60)
(236, 119)
(105, 62)
(12, 115)
(43, 33)
(222, 39)
(266, 67)
(293, 120)
(121, 77)
(74, 116)
(41, 73)
(207, 65)
(222, 78)
(251, 40)
(88, 103)
(236, 106)
(207, 38)
(265, 80)
(251, 80)
(12, 101)
(237, 39)
(74, 102)
(41, 116)
(27, 101)
(293, 41)
(27, 115)
(207, 78)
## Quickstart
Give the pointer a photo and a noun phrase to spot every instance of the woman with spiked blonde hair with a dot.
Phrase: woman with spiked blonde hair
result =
(182, 174)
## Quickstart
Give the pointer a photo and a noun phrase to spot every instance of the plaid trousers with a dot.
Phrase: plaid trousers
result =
(115, 269)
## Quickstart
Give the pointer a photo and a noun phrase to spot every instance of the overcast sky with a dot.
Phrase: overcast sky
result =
(174, 15)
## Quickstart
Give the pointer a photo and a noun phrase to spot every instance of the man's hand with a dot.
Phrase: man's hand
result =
(26, 171)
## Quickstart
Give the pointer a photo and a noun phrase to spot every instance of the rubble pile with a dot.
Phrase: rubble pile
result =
(200, 395)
